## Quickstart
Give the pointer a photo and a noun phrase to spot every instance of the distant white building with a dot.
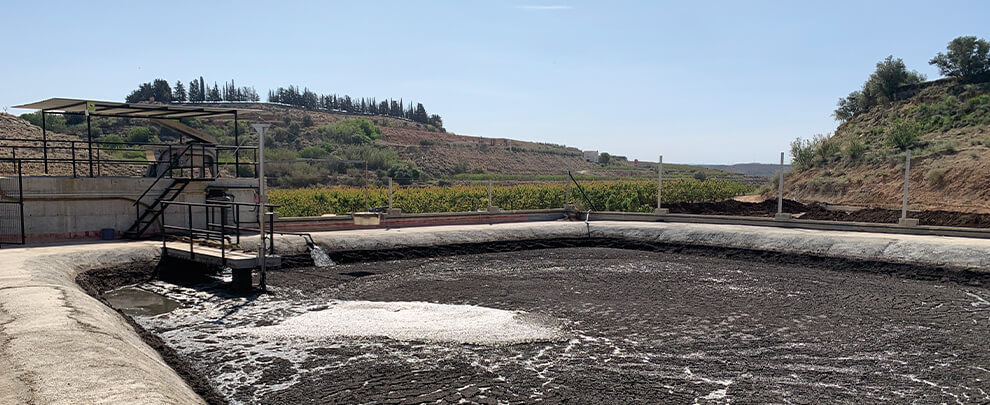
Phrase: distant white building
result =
(591, 156)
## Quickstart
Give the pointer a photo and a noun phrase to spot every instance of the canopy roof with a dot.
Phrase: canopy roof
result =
(124, 110)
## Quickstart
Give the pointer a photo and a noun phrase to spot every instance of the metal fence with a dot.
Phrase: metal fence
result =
(11, 204)
(80, 158)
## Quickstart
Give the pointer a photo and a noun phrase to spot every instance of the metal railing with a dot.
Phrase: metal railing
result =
(91, 159)
(11, 207)
(228, 226)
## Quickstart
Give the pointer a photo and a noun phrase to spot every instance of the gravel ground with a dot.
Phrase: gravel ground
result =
(637, 327)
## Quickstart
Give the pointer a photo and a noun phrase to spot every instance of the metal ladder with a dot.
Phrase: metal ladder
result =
(155, 209)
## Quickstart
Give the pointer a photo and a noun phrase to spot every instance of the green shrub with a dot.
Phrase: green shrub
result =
(313, 152)
(855, 150)
(377, 158)
(935, 175)
(461, 167)
(903, 135)
(404, 172)
(140, 134)
(828, 149)
(947, 148)
(54, 122)
(351, 131)
(805, 154)
(115, 141)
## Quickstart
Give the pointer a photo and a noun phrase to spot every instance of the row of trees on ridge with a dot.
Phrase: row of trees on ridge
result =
(159, 90)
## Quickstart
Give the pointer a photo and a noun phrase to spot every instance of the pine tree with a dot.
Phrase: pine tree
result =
(162, 92)
(420, 114)
(194, 91)
(214, 94)
(179, 92)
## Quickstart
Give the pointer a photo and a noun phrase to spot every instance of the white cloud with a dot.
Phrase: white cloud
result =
(531, 7)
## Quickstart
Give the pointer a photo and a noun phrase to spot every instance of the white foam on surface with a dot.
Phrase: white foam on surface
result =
(412, 321)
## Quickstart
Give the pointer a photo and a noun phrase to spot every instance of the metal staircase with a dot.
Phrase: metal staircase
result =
(154, 210)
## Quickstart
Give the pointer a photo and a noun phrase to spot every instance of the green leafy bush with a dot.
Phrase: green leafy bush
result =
(351, 131)
(903, 135)
(820, 149)
(855, 150)
(404, 172)
(140, 135)
(313, 152)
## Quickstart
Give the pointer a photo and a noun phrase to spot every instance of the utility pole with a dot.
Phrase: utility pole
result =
(262, 199)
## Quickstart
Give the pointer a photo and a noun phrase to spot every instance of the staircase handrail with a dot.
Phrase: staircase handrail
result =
(168, 169)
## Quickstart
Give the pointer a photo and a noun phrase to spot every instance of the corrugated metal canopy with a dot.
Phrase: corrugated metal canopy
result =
(125, 110)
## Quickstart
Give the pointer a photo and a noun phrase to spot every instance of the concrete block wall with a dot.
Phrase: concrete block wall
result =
(63, 208)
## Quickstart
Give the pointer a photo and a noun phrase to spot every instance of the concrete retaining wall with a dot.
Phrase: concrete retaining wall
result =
(62, 208)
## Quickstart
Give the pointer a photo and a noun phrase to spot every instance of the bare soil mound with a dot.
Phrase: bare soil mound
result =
(29, 147)
(732, 207)
(820, 212)
(880, 215)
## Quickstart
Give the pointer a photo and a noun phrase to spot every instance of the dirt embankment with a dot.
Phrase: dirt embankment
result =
(821, 212)
(59, 147)
(950, 161)
(955, 182)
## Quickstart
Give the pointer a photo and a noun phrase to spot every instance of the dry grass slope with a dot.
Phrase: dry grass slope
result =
(950, 168)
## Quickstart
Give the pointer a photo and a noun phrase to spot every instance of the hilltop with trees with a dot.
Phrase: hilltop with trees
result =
(199, 91)
(944, 123)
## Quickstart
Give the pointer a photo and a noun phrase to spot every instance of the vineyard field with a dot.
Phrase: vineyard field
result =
(628, 196)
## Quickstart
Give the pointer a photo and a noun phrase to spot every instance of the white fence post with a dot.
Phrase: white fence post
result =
(491, 203)
(660, 211)
(904, 220)
(781, 216)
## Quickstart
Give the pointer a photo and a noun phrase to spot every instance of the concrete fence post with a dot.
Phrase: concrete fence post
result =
(392, 211)
(781, 216)
(660, 211)
(904, 220)
(567, 186)
(491, 204)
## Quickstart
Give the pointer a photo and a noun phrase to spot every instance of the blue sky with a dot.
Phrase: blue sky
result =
(701, 82)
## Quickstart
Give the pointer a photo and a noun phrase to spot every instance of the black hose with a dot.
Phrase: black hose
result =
(581, 189)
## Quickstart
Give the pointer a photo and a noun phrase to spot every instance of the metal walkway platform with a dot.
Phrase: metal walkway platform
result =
(210, 255)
